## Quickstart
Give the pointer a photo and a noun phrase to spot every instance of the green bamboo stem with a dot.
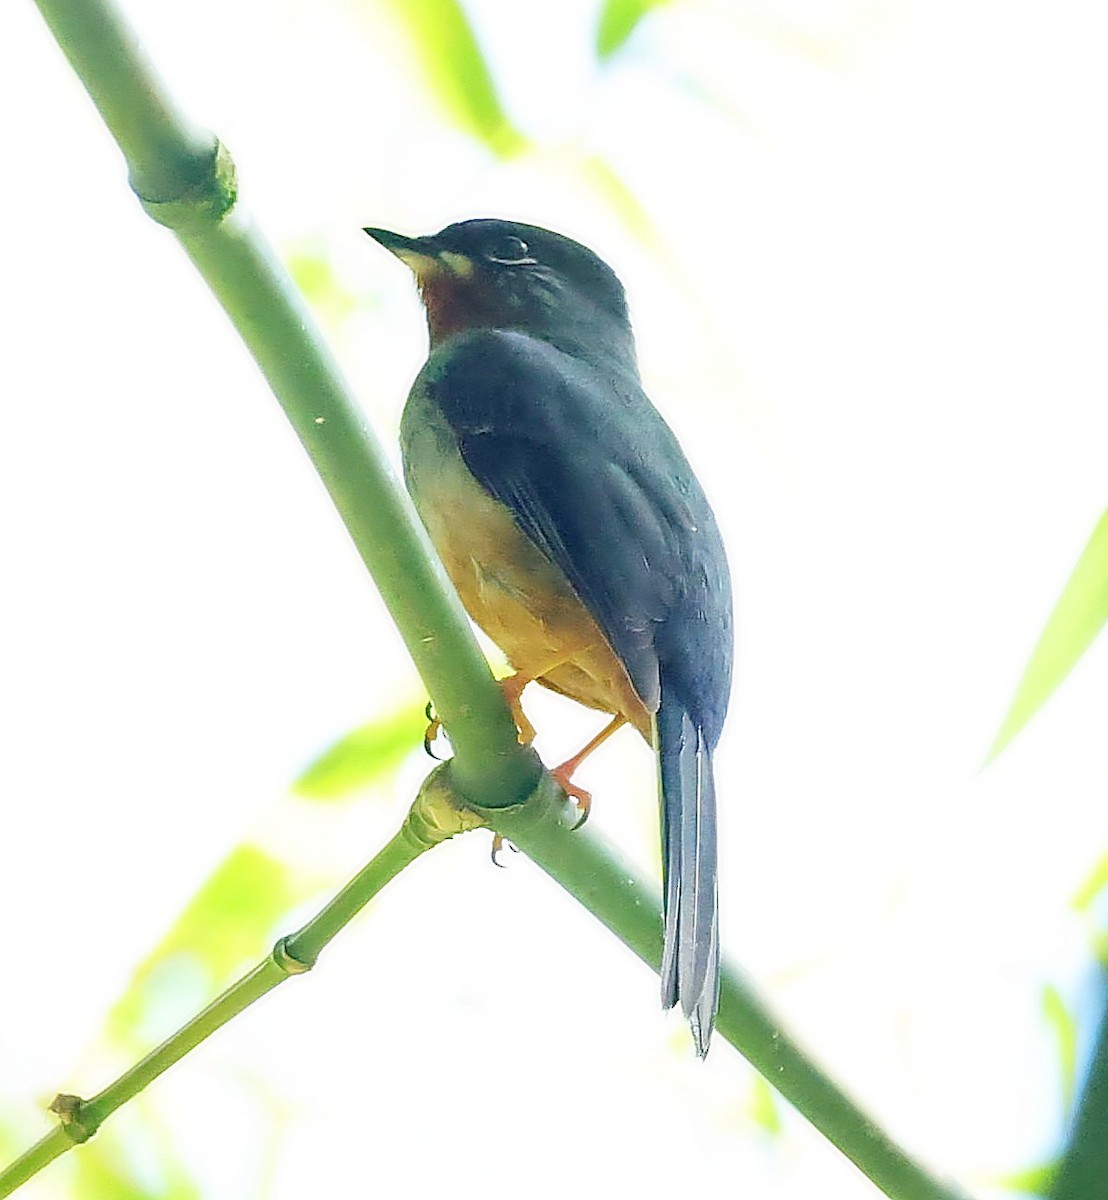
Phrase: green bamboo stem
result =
(186, 181)
(1083, 1172)
(432, 820)
(254, 290)
(596, 873)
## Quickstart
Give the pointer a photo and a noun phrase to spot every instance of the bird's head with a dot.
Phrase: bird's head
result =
(490, 274)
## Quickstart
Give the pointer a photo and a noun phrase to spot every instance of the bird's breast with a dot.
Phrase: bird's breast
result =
(514, 592)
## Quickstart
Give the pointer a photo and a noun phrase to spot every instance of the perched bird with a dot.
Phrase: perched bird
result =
(575, 531)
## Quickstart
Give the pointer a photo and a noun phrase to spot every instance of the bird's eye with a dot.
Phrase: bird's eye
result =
(509, 250)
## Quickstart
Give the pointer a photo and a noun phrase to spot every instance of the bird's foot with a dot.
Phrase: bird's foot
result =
(511, 687)
(431, 733)
(498, 844)
(563, 775)
(577, 794)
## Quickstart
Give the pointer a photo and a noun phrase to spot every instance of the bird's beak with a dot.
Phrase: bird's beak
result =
(422, 255)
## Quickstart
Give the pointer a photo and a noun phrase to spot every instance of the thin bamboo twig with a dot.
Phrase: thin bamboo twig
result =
(432, 819)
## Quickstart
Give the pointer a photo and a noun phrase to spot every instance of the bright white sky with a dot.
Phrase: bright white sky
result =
(875, 316)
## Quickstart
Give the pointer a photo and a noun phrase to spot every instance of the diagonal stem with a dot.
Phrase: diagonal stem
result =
(186, 181)
(596, 873)
(431, 820)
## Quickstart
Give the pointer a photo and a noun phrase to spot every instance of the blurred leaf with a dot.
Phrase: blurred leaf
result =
(621, 200)
(763, 1106)
(1085, 900)
(447, 51)
(10, 1144)
(618, 20)
(1036, 1180)
(226, 922)
(1077, 618)
(1091, 887)
(1064, 1028)
(103, 1170)
(314, 275)
(362, 756)
(1100, 947)
(1083, 1168)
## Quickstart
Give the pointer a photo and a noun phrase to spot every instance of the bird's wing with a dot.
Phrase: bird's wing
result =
(594, 477)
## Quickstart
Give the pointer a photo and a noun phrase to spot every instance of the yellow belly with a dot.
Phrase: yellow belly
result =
(511, 589)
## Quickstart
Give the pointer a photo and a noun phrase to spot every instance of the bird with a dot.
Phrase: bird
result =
(575, 531)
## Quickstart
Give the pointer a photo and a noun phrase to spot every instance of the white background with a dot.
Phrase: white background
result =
(875, 314)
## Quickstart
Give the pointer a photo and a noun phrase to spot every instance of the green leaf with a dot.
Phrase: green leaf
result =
(1078, 617)
(1092, 886)
(224, 925)
(446, 50)
(1064, 1028)
(1100, 947)
(1035, 1180)
(764, 1110)
(363, 756)
(1083, 1168)
(618, 20)
(314, 275)
(104, 1170)
(621, 199)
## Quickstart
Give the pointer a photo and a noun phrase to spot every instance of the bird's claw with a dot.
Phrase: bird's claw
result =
(498, 843)
(578, 795)
(511, 687)
(434, 728)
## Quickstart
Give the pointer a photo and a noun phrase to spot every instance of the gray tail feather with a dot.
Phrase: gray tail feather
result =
(690, 955)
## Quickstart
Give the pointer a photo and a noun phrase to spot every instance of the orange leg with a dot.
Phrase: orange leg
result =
(564, 774)
(563, 777)
(512, 687)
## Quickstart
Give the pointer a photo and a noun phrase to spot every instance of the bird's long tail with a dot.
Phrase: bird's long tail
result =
(690, 956)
